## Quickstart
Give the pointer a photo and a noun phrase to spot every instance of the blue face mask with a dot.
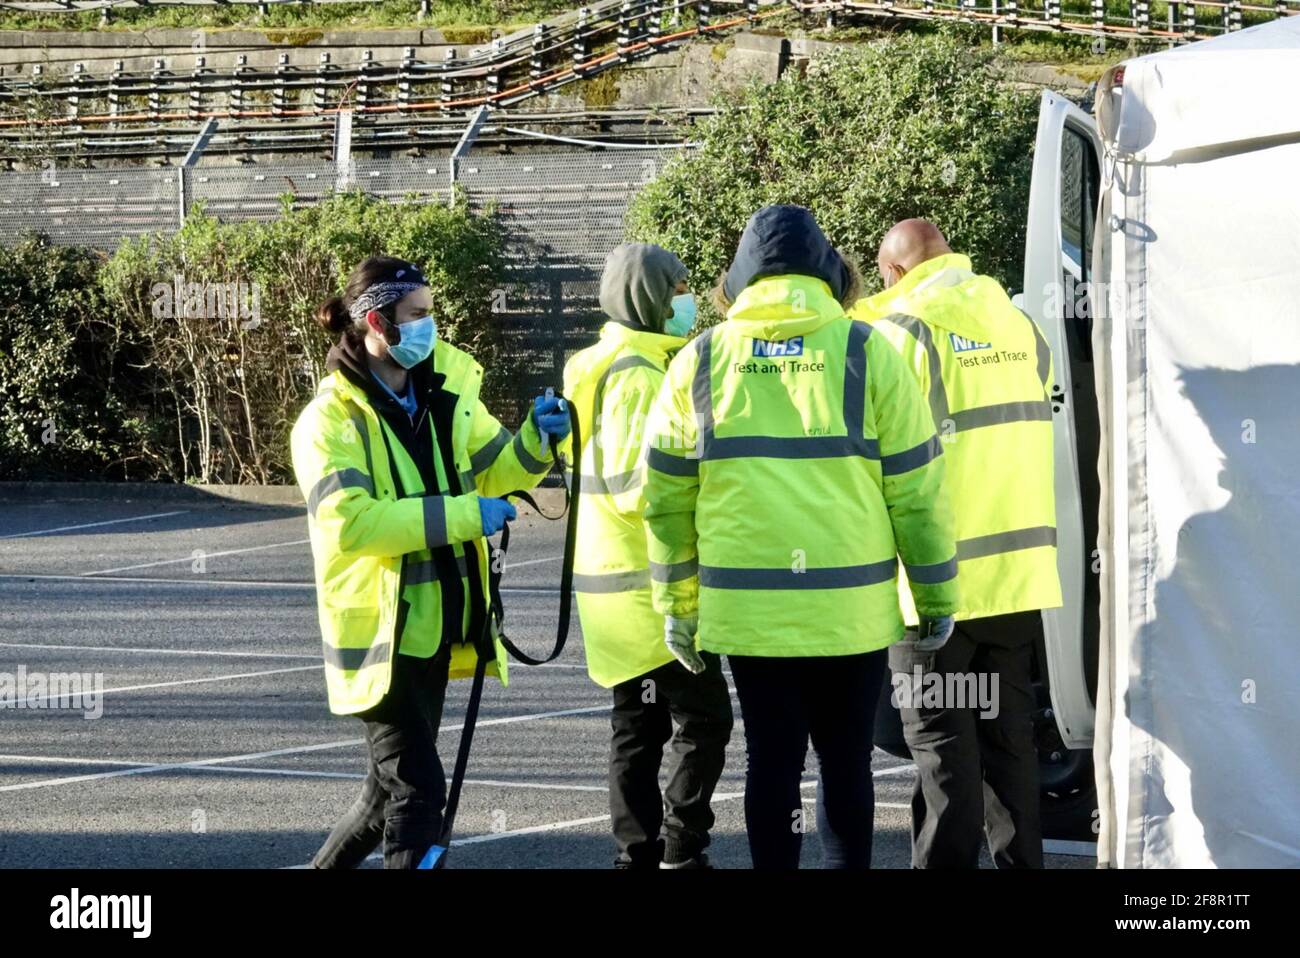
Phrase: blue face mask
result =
(416, 344)
(683, 317)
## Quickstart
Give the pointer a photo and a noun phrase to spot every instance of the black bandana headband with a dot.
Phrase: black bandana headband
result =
(387, 290)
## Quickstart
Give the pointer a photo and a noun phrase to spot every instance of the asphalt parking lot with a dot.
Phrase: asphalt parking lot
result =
(215, 747)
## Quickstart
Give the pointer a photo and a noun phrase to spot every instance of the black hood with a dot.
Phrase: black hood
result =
(782, 240)
(348, 356)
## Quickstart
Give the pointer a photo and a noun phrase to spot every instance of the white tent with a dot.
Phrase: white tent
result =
(1198, 342)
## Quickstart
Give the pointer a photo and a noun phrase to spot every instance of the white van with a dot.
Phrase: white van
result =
(1162, 264)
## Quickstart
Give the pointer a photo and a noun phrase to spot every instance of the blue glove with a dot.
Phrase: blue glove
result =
(494, 513)
(551, 416)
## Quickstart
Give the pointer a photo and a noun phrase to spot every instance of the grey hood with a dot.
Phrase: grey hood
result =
(638, 284)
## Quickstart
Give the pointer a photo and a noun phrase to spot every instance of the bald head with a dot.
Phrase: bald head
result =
(907, 245)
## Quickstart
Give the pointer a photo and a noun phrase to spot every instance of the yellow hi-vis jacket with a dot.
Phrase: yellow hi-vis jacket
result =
(987, 372)
(790, 461)
(370, 547)
(613, 385)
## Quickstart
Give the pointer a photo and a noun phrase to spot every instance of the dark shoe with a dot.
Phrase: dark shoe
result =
(699, 861)
(641, 858)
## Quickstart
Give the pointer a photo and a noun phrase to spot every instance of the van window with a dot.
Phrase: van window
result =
(1080, 183)
(1079, 180)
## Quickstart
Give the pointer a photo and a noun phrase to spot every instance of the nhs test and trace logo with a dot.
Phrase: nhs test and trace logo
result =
(960, 344)
(779, 347)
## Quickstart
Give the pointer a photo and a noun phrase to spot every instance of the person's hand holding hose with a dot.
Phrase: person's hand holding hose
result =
(551, 417)
(494, 513)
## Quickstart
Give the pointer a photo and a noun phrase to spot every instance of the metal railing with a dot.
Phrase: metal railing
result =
(1140, 20)
(169, 142)
(534, 61)
(509, 69)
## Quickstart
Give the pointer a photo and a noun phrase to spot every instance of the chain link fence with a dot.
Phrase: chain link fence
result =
(563, 212)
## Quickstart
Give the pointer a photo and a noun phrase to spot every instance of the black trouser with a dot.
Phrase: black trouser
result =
(645, 709)
(405, 788)
(976, 771)
(783, 703)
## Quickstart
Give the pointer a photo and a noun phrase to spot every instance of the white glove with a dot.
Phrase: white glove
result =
(933, 634)
(679, 636)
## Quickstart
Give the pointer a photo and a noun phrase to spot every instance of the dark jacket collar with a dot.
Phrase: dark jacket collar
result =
(348, 357)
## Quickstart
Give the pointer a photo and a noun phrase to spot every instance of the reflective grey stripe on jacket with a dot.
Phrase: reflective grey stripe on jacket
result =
(1000, 542)
(351, 660)
(484, 457)
(711, 447)
(996, 414)
(607, 582)
(599, 483)
(350, 478)
(838, 577)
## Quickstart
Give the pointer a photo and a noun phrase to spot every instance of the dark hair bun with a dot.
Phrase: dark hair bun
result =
(333, 315)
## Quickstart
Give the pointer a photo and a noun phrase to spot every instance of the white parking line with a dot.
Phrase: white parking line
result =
(296, 750)
(93, 525)
(70, 761)
(516, 565)
(200, 579)
(150, 580)
(894, 770)
(176, 766)
(532, 830)
(510, 719)
(485, 782)
(220, 654)
(284, 772)
(144, 651)
(543, 786)
(190, 558)
(498, 836)
(316, 773)
(164, 685)
(813, 801)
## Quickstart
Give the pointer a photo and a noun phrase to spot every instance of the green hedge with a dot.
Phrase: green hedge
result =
(912, 126)
(142, 383)
(67, 409)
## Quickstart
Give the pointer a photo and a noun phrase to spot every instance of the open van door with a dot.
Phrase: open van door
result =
(1057, 296)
